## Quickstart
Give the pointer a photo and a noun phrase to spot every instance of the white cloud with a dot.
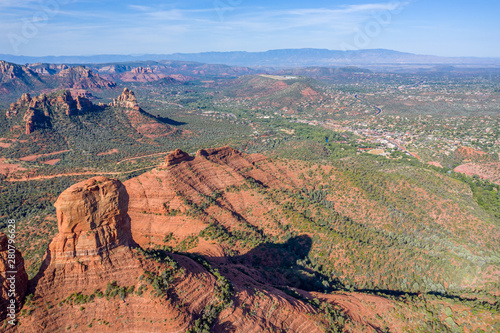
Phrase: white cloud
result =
(141, 8)
(147, 29)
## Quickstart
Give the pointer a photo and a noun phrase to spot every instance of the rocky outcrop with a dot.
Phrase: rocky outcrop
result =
(141, 70)
(22, 102)
(127, 100)
(94, 251)
(17, 77)
(45, 110)
(47, 76)
(93, 248)
(80, 93)
(176, 157)
(91, 218)
(209, 171)
(39, 109)
(13, 277)
(83, 104)
(83, 78)
(66, 100)
(47, 69)
(10, 71)
(29, 118)
(233, 198)
(94, 228)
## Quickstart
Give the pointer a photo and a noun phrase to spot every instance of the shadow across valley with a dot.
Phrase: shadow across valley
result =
(169, 121)
(284, 265)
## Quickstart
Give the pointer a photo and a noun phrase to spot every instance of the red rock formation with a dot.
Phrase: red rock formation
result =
(92, 249)
(83, 78)
(468, 153)
(40, 103)
(47, 69)
(100, 218)
(141, 70)
(10, 71)
(83, 104)
(126, 100)
(42, 106)
(66, 100)
(29, 118)
(13, 286)
(80, 93)
(176, 157)
(21, 103)
(92, 218)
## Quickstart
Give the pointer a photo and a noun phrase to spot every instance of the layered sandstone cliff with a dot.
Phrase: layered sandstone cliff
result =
(222, 275)
(94, 252)
(83, 78)
(11, 71)
(91, 218)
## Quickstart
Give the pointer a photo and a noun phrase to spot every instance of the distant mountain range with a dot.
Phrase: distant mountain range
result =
(277, 58)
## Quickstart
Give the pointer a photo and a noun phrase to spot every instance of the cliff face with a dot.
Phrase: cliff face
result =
(163, 200)
(47, 69)
(36, 77)
(92, 219)
(15, 77)
(93, 256)
(83, 78)
(39, 109)
(94, 253)
(9, 72)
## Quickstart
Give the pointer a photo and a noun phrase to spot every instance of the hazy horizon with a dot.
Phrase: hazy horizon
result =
(215, 51)
(90, 27)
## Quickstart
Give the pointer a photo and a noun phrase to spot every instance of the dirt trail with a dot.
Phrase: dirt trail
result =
(26, 179)
(134, 158)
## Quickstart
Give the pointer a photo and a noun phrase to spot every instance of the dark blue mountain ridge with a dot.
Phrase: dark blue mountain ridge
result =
(273, 58)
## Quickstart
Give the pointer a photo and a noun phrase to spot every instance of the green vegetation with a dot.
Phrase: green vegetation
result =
(160, 282)
(390, 225)
(222, 299)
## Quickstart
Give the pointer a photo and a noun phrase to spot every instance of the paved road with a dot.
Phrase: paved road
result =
(379, 110)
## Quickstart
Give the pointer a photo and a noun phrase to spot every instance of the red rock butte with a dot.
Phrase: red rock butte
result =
(176, 157)
(91, 217)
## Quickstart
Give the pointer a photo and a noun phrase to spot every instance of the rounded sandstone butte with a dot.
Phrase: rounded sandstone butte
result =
(92, 217)
(20, 278)
(176, 157)
(90, 204)
(225, 155)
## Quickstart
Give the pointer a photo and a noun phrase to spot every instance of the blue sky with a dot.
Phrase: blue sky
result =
(88, 27)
